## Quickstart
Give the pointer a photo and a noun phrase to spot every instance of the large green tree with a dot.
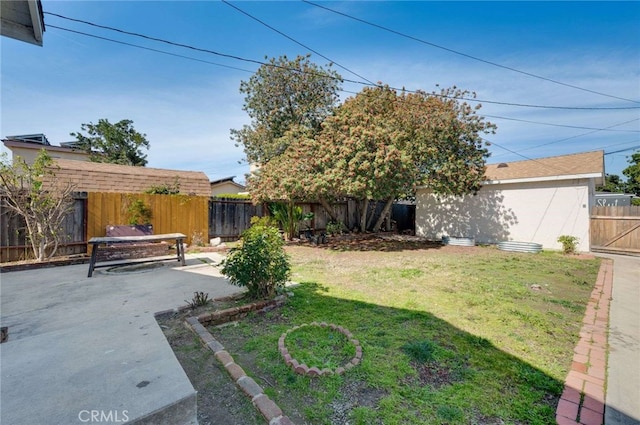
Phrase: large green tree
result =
(612, 183)
(284, 94)
(632, 173)
(117, 143)
(33, 192)
(385, 144)
(381, 145)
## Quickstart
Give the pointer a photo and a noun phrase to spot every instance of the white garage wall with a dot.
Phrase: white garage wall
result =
(528, 212)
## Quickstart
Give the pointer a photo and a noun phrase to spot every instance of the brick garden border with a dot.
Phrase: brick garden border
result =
(267, 407)
(583, 398)
(303, 369)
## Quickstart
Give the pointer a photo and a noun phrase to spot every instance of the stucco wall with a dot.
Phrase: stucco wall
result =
(29, 155)
(226, 187)
(529, 212)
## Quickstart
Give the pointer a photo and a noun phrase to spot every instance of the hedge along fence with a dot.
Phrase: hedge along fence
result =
(170, 213)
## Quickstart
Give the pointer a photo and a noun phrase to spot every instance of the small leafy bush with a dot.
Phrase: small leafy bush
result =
(335, 228)
(165, 189)
(259, 263)
(569, 244)
(139, 212)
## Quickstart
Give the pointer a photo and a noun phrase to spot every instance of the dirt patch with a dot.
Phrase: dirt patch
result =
(219, 399)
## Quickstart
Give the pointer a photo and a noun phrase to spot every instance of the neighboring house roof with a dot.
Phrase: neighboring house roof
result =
(11, 143)
(22, 20)
(226, 182)
(580, 165)
(104, 177)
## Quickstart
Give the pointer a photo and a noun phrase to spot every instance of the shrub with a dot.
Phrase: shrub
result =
(139, 212)
(335, 228)
(569, 244)
(259, 263)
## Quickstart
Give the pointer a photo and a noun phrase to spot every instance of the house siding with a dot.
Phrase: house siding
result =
(528, 212)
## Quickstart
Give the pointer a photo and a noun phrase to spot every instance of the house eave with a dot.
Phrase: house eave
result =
(543, 179)
(22, 20)
(597, 176)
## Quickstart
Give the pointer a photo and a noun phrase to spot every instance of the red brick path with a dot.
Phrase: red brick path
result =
(582, 401)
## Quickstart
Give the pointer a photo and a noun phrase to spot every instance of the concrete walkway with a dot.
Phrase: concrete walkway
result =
(623, 371)
(85, 350)
(603, 388)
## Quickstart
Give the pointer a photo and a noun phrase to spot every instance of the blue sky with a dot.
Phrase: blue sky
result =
(187, 107)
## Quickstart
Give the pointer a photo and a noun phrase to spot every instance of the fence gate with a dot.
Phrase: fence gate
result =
(616, 230)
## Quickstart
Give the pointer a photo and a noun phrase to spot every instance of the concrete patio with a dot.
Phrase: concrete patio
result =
(89, 349)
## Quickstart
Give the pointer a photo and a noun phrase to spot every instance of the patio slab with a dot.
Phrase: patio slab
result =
(83, 346)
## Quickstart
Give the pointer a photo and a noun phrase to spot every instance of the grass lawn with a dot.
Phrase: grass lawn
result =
(450, 335)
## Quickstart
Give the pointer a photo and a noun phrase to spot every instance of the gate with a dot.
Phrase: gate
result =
(616, 230)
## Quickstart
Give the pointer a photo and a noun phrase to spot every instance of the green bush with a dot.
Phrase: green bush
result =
(569, 244)
(259, 263)
(335, 228)
(139, 212)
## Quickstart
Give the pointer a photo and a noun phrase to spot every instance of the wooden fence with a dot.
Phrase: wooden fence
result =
(229, 218)
(171, 213)
(196, 216)
(14, 245)
(615, 229)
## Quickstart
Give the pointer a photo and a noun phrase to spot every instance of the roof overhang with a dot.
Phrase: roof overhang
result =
(599, 178)
(545, 179)
(22, 20)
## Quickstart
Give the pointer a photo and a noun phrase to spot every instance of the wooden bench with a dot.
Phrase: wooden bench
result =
(98, 242)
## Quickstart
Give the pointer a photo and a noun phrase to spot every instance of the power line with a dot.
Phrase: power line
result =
(327, 76)
(624, 150)
(573, 137)
(147, 48)
(569, 126)
(296, 41)
(346, 91)
(465, 54)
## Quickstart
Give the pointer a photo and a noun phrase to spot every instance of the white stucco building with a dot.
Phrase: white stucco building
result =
(526, 201)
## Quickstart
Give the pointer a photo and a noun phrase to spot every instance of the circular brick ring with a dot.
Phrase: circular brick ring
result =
(303, 369)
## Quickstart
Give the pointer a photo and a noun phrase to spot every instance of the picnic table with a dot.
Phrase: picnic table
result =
(97, 242)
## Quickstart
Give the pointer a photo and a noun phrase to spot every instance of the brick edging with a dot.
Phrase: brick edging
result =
(583, 398)
(303, 369)
(267, 407)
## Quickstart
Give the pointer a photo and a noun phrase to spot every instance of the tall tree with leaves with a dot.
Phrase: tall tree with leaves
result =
(284, 94)
(632, 173)
(34, 193)
(117, 143)
(612, 183)
(380, 145)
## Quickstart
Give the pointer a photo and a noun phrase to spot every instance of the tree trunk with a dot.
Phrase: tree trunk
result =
(291, 223)
(363, 215)
(328, 209)
(385, 212)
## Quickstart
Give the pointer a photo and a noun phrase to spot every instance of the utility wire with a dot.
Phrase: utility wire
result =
(297, 42)
(147, 48)
(257, 62)
(573, 137)
(569, 126)
(624, 150)
(465, 54)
